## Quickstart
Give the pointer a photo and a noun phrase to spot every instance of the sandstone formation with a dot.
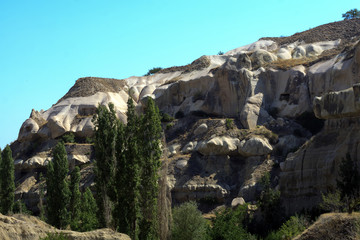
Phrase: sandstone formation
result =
(24, 227)
(294, 103)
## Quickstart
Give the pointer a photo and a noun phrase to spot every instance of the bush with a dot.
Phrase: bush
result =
(188, 223)
(55, 236)
(68, 137)
(220, 53)
(20, 207)
(291, 228)
(153, 71)
(166, 117)
(230, 225)
(229, 123)
(331, 202)
(353, 13)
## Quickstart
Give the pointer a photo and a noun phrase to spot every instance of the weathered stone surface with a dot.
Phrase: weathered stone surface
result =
(345, 103)
(261, 57)
(201, 129)
(219, 146)
(24, 227)
(250, 115)
(255, 146)
(237, 201)
(189, 147)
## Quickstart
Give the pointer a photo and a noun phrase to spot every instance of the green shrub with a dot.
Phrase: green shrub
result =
(153, 71)
(229, 123)
(188, 223)
(166, 117)
(169, 126)
(68, 137)
(55, 236)
(20, 207)
(291, 228)
(230, 224)
(331, 202)
(89, 140)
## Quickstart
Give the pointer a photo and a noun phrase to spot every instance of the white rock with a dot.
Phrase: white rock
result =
(201, 129)
(189, 147)
(255, 146)
(237, 201)
(174, 149)
(219, 146)
(181, 164)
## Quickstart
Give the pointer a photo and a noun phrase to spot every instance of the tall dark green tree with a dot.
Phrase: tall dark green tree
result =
(58, 193)
(105, 137)
(88, 212)
(75, 200)
(130, 169)
(150, 164)
(349, 183)
(7, 184)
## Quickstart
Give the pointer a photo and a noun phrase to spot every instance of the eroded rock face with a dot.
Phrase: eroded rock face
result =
(219, 146)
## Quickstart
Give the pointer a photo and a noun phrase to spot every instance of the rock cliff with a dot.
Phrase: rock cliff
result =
(291, 102)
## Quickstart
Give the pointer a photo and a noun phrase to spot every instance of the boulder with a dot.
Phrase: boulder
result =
(254, 146)
(181, 164)
(189, 147)
(219, 146)
(28, 130)
(237, 201)
(284, 54)
(173, 149)
(299, 52)
(201, 129)
(261, 57)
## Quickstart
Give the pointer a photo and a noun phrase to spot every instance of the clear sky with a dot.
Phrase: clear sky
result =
(46, 45)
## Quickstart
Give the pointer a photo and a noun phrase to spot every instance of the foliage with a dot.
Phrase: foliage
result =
(229, 123)
(169, 126)
(331, 202)
(166, 117)
(58, 193)
(349, 183)
(270, 204)
(7, 184)
(88, 210)
(55, 236)
(188, 223)
(220, 53)
(104, 142)
(291, 228)
(75, 200)
(153, 71)
(68, 137)
(353, 13)
(20, 207)
(230, 225)
(150, 153)
(41, 197)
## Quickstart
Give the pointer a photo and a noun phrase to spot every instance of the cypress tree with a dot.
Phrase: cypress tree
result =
(88, 212)
(75, 200)
(150, 164)
(105, 136)
(41, 197)
(58, 193)
(7, 183)
(127, 210)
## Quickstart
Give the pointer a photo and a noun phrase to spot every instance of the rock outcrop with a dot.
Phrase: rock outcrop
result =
(23, 227)
(280, 83)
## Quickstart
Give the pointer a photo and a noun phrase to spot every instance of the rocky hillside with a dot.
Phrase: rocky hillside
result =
(289, 106)
(24, 227)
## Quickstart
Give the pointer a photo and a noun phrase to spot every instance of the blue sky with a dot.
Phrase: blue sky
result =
(46, 45)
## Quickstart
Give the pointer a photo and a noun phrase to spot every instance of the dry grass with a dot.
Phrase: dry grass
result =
(338, 226)
(289, 63)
